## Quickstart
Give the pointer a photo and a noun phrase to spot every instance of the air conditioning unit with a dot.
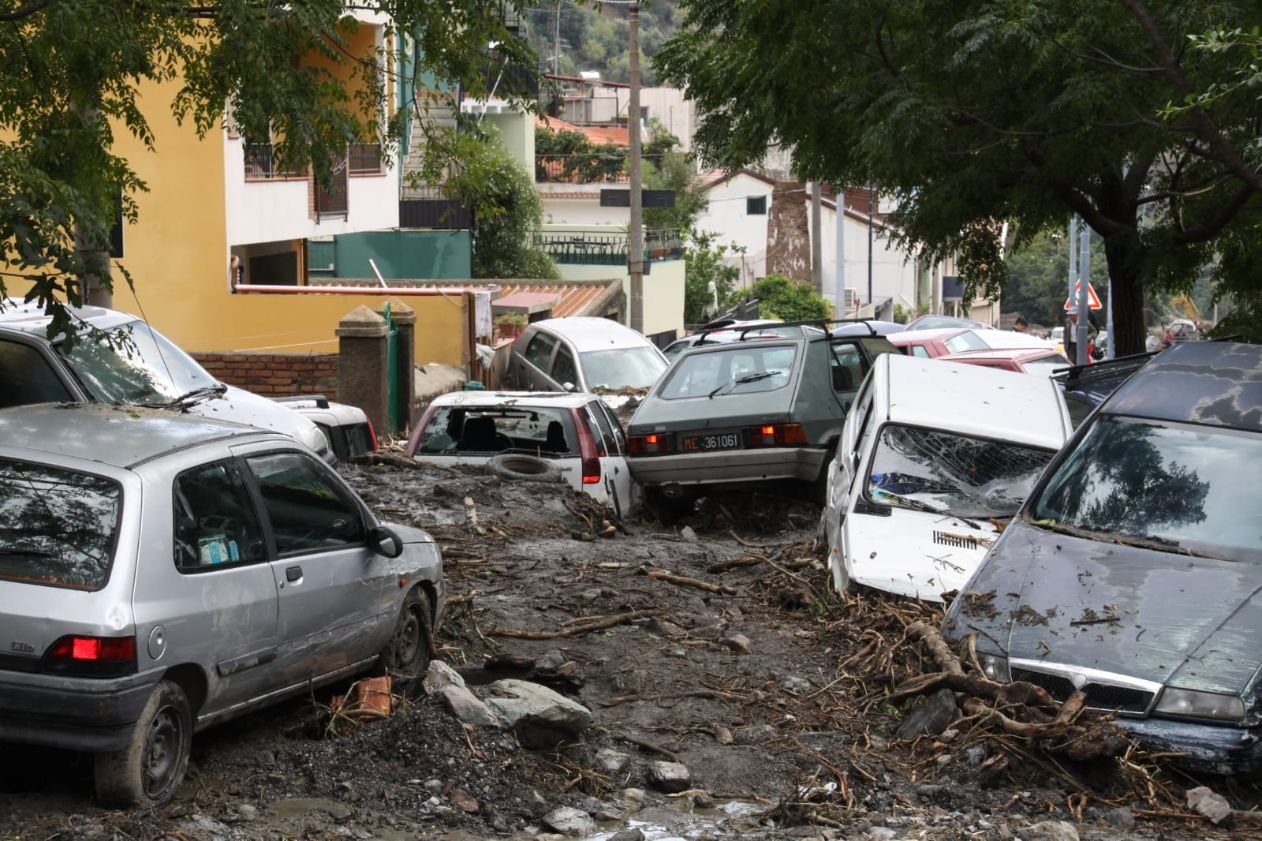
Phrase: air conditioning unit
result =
(850, 300)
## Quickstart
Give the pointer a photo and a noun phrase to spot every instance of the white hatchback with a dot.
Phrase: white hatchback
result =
(933, 457)
(572, 437)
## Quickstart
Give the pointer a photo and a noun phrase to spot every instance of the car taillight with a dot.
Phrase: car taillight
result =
(648, 445)
(372, 437)
(92, 656)
(777, 435)
(587, 450)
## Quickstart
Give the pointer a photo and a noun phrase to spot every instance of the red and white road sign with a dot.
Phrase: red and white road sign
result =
(1092, 297)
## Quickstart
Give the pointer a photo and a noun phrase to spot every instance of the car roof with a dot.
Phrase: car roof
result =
(31, 318)
(907, 337)
(1020, 354)
(1213, 383)
(485, 399)
(983, 401)
(122, 437)
(592, 333)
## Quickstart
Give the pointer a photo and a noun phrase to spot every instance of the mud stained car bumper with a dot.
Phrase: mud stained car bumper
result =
(728, 466)
(73, 713)
(1205, 747)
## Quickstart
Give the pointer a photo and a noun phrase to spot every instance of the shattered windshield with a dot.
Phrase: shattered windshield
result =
(635, 367)
(953, 473)
(133, 363)
(1190, 488)
(57, 526)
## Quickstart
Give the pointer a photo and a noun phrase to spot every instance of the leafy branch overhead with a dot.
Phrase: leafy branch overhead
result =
(79, 74)
(971, 113)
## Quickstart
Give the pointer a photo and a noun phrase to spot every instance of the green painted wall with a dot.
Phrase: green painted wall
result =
(399, 255)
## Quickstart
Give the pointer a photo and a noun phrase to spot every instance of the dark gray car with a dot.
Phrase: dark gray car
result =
(160, 573)
(748, 411)
(1134, 570)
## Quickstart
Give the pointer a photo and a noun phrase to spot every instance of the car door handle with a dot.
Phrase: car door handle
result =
(293, 573)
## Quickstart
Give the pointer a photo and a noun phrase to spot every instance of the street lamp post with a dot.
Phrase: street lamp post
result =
(635, 239)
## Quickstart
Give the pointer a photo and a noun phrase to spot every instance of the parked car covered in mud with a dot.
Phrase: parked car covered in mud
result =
(533, 435)
(750, 411)
(119, 359)
(160, 573)
(583, 354)
(1133, 572)
(932, 454)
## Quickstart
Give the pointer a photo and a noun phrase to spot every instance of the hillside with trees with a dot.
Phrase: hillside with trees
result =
(571, 36)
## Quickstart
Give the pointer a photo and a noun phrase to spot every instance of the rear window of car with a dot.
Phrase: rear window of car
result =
(739, 369)
(968, 340)
(58, 527)
(539, 430)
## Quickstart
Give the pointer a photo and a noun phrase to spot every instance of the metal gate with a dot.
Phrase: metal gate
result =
(395, 392)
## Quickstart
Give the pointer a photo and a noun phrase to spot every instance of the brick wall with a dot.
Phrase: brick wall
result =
(275, 374)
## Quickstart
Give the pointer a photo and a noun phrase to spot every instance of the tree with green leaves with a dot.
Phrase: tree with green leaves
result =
(709, 282)
(667, 168)
(971, 112)
(72, 74)
(506, 208)
(788, 299)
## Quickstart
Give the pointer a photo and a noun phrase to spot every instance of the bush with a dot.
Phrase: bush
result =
(788, 299)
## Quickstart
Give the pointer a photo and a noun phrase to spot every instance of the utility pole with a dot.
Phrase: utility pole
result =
(839, 282)
(871, 202)
(556, 41)
(817, 242)
(1084, 302)
(635, 238)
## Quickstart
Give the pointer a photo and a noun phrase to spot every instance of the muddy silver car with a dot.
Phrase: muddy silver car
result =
(160, 573)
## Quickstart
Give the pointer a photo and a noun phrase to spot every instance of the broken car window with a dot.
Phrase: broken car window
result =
(57, 527)
(957, 474)
(531, 429)
(636, 367)
(1193, 488)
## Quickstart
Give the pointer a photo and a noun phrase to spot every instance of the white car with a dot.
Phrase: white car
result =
(931, 455)
(347, 428)
(568, 436)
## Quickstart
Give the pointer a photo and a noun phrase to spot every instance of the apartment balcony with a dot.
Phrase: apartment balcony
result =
(608, 249)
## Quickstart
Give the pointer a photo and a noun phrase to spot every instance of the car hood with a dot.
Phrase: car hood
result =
(1191, 622)
(410, 534)
(241, 406)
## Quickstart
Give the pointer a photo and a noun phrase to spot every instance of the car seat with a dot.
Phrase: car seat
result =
(556, 442)
(480, 436)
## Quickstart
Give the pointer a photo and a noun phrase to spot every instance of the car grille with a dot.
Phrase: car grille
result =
(1100, 696)
(959, 541)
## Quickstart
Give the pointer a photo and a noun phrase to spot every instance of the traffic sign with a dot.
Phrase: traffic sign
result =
(1092, 297)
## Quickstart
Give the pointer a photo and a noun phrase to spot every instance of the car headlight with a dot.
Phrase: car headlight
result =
(995, 667)
(1189, 703)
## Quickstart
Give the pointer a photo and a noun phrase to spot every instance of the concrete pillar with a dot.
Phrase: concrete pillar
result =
(404, 318)
(362, 365)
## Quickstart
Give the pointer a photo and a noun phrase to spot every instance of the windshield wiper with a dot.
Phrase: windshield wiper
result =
(1157, 544)
(190, 398)
(919, 505)
(748, 378)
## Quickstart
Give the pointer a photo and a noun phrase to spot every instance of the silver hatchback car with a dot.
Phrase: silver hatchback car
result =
(160, 573)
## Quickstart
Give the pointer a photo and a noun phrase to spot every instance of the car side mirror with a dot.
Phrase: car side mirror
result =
(385, 542)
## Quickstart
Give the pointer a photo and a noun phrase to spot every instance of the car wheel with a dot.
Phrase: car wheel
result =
(524, 468)
(151, 767)
(406, 656)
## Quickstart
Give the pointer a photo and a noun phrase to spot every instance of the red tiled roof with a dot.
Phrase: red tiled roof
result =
(609, 135)
(574, 297)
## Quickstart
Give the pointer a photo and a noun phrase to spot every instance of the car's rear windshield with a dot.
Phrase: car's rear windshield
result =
(1172, 487)
(938, 470)
(736, 369)
(635, 367)
(968, 340)
(58, 527)
(1045, 364)
(540, 430)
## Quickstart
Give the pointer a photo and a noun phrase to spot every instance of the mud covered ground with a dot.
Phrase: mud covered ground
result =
(723, 650)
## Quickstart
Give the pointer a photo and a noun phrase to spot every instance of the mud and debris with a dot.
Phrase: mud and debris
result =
(732, 694)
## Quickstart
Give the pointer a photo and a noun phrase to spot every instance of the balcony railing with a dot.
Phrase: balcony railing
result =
(608, 249)
(427, 206)
(603, 167)
(261, 161)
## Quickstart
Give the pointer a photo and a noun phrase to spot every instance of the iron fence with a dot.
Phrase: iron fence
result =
(607, 249)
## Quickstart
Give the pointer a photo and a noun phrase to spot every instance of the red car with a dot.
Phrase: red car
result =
(1024, 360)
(940, 342)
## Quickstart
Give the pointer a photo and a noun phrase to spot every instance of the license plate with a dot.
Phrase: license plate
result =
(718, 441)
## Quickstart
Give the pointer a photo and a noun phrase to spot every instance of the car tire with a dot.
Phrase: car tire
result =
(406, 656)
(149, 770)
(524, 468)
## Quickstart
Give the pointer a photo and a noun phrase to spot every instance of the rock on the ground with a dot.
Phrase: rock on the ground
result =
(611, 761)
(688, 534)
(736, 642)
(539, 716)
(468, 708)
(754, 735)
(439, 676)
(1207, 802)
(881, 833)
(633, 834)
(1049, 831)
(931, 716)
(463, 801)
(572, 822)
(1121, 817)
(669, 777)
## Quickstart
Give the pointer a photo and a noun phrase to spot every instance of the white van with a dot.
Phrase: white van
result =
(932, 458)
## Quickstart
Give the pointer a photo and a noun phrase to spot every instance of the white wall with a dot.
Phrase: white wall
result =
(678, 114)
(567, 210)
(725, 216)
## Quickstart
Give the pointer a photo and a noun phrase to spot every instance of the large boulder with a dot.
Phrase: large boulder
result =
(540, 717)
(467, 707)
